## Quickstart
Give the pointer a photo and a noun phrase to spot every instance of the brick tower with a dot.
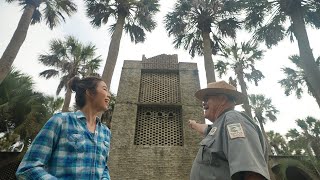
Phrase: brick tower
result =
(151, 139)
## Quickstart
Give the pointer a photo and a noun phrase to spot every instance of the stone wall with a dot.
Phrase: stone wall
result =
(153, 162)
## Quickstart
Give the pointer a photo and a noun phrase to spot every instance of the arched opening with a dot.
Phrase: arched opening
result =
(294, 173)
(291, 173)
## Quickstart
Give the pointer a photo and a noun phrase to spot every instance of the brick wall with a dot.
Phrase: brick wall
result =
(145, 162)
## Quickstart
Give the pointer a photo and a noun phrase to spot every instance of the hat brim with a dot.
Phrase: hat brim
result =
(238, 97)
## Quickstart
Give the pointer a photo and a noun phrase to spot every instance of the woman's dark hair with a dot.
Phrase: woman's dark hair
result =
(81, 85)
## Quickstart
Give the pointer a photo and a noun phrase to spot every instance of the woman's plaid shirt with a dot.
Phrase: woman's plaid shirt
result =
(66, 149)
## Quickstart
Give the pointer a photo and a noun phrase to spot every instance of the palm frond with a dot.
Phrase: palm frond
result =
(228, 27)
(36, 17)
(99, 11)
(254, 76)
(136, 33)
(145, 12)
(49, 73)
(221, 67)
(312, 17)
(52, 13)
(255, 13)
(62, 84)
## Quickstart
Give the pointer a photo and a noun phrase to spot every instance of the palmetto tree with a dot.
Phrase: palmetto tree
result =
(278, 142)
(270, 18)
(69, 58)
(16, 99)
(241, 60)
(263, 111)
(133, 16)
(200, 25)
(53, 104)
(309, 136)
(307, 141)
(296, 80)
(52, 11)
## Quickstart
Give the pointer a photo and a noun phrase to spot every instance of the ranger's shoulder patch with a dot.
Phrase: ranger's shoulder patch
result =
(212, 131)
(235, 130)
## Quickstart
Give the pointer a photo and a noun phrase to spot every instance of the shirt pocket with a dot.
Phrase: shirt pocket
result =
(76, 143)
(206, 151)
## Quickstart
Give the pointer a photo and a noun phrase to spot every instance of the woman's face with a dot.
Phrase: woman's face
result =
(102, 97)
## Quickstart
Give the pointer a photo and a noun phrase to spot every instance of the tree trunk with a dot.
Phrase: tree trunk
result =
(276, 148)
(270, 162)
(264, 134)
(113, 51)
(207, 55)
(243, 85)
(67, 99)
(315, 146)
(308, 63)
(16, 42)
(313, 92)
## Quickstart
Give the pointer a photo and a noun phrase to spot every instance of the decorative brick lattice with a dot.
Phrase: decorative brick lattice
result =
(159, 126)
(160, 66)
(163, 62)
(159, 88)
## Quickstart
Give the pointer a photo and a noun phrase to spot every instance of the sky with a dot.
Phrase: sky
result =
(157, 42)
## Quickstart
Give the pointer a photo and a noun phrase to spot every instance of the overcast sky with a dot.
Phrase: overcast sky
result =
(157, 42)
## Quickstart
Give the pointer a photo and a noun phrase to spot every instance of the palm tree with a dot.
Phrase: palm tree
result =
(133, 16)
(53, 13)
(310, 134)
(69, 58)
(296, 142)
(270, 19)
(18, 101)
(199, 26)
(263, 110)
(241, 60)
(278, 142)
(53, 104)
(307, 141)
(296, 80)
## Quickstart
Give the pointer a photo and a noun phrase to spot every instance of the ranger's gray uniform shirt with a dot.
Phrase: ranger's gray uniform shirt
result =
(232, 144)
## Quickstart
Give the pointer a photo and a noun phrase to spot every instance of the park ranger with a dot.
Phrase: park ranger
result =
(233, 146)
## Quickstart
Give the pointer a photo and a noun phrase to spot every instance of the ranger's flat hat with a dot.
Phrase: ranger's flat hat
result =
(221, 87)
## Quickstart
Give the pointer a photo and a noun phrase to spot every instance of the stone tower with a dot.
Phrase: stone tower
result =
(151, 139)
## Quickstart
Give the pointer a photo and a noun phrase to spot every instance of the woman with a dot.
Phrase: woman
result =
(72, 145)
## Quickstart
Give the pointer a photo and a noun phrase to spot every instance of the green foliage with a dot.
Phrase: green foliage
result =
(68, 59)
(269, 19)
(307, 137)
(22, 111)
(241, 60)
(296, 80)
(263, 108)
(189, 19)
(17, 99)
(52, 104)
(278, 143)
(54, 11)
(139, 15)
